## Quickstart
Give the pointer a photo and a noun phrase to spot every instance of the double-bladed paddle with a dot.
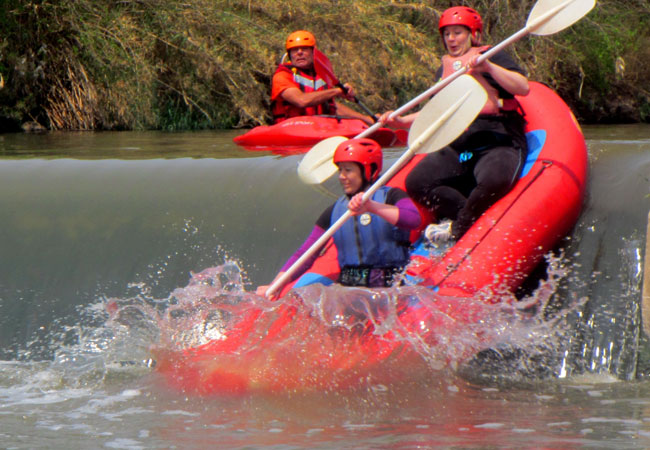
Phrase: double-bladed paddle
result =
(441, 121)
(546, 17)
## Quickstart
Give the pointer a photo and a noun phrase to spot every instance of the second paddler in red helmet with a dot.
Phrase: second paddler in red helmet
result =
(298, 90)
(373, 245)
(461, 181)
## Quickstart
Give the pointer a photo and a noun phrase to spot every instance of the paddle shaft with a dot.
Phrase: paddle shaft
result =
(529, 28)
(397, 165)
(358, 102)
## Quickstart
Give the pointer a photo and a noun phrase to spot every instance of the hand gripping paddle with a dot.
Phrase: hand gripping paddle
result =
(440, 122)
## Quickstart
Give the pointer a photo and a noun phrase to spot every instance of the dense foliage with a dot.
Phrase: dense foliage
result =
(159, 64)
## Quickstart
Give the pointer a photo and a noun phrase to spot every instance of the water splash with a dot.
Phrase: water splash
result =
(217, 338)
(211, 336)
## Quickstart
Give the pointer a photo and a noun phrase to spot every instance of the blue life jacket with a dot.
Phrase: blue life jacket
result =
(377, 244)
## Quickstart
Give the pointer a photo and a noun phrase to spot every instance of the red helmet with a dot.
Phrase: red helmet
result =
(462, 15)
(300, 38)
(362, 151)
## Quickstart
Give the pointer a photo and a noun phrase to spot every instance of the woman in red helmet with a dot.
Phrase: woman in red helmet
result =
(461, 181)
(297, 90)
(372, 245)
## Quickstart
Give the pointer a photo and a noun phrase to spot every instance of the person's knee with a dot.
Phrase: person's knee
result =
(496, 177)
(413, 187)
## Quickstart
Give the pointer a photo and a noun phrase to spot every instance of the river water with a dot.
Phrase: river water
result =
(91, 220)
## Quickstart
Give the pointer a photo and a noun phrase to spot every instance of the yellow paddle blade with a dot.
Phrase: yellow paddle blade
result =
(317, 166)
(551, 16)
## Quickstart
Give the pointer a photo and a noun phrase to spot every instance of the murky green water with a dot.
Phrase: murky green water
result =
(91, 216)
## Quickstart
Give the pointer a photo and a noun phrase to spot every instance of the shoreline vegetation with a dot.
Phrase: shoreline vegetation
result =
(207, 64)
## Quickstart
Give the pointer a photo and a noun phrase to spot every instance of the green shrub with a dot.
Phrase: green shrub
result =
(155, 64)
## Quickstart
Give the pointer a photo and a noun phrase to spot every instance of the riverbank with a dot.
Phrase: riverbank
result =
(150, 64)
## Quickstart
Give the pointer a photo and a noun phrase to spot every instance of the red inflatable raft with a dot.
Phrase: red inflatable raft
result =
(305, 131)
(511, 238)
(295, 346)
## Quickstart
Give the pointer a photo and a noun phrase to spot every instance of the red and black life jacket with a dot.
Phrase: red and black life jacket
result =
(282, 110)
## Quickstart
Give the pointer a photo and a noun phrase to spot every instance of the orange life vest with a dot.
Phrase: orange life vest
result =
(282, 110)
(494, 104)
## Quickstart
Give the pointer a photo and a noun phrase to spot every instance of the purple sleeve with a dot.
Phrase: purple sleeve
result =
(315, 234)
(409, 216)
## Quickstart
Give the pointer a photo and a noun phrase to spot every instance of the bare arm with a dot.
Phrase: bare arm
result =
(404, 122)
(344, 111)
(511, 81)
(304, 99)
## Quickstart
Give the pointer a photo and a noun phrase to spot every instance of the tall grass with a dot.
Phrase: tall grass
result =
(160, 64)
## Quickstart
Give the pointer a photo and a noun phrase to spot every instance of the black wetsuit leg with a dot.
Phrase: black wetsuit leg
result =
(495, 172)
(440, 182)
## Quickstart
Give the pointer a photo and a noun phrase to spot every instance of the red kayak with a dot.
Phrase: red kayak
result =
(303, 132)
(319, 337)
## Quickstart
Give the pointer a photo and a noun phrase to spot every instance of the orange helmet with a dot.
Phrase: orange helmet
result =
(362, 151)
(462, 15)
(301, 38)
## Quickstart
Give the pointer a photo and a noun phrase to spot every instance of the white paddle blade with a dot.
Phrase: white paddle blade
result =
(447, 115)
(317, 166)
(551, 16)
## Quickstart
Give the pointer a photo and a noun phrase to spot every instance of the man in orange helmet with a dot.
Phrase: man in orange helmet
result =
(298, 90)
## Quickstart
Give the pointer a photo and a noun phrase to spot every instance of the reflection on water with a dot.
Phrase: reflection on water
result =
(128, 145)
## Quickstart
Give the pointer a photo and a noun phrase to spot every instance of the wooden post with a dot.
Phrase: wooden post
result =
(645, 305)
